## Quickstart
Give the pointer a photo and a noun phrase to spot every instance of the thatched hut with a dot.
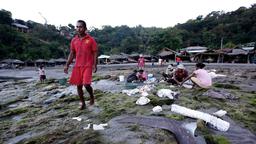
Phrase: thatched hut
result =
(41, 62)
(30, 63)
(207, 56)
(167, 54)
(238, 56)
(103, 59)
(60, 61)
(13, 63)
(252, 56)
(115, 59)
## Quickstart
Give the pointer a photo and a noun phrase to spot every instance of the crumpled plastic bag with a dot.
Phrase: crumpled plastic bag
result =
(157, 109)
(142, 101)
(167, 93)
(131, 92)
(214, 75)
(220, 113)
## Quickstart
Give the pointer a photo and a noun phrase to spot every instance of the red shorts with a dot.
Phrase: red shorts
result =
(81, 76)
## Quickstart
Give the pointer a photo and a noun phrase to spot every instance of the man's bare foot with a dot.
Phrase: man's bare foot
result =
(91, 101)
(82, 107)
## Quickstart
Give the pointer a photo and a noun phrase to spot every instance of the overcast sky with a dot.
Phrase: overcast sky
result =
(158, 13)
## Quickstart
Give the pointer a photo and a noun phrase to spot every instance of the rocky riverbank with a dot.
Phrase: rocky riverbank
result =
(32, 112)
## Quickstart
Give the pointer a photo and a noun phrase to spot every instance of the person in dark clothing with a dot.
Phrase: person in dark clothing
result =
(132, 77)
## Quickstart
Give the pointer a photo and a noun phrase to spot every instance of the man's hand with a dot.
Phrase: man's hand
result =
(66, 69)
(94, 69)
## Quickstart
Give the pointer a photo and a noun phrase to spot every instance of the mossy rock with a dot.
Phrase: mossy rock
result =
(97, 77)
(226, 86)
(175, 116)
(15, 111)
(216, 139)
(155, 101)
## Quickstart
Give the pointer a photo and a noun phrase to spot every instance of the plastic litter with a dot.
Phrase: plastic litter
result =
(166, 93)
(77, 118)
(96, 127)
(191, 127)
(157, 109)
(142, 101)
(121, 78)
(217, 123)
(220, 113)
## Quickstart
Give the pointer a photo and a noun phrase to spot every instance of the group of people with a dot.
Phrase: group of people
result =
(137, 76)
(83, 49)
(177, 76)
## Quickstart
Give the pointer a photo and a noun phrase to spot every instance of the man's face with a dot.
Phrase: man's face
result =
(80, 29)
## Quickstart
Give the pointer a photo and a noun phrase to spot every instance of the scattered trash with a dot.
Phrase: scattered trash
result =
(77, 118)
(214, 75)
(121, 78)
(187, 86)
(151, 79)
(157, 109)
(217, 123)
(167, 93)
(144, 94)
(172, 86)
(142, 101)
(191, 127)
(220, 113)
(131, 92)
(96, 127)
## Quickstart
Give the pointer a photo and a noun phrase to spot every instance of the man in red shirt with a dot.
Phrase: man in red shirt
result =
(84, 49)
(141, 62)
(178, 60)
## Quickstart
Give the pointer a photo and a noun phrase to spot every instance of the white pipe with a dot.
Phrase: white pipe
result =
(216, 122)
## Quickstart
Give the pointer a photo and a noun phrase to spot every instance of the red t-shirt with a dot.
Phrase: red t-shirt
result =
(141, 62)
(180, 74)
(84, 49)
(178, 59)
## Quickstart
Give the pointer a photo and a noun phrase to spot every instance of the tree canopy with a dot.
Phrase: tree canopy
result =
(47, 41)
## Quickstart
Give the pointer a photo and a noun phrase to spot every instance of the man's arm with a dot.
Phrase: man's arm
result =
(193, 74)
(69, 61)
(95, 54)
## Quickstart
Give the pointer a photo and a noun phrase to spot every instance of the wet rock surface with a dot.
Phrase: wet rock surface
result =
(33, 112)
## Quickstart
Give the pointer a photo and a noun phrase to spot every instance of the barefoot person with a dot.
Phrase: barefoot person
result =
(84, 49)
(42, 75)
(200, 77)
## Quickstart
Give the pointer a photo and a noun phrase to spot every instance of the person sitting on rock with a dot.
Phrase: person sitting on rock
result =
(168, 74)
(132, 77)
(200, 77)
(179, 75)
(142, 76)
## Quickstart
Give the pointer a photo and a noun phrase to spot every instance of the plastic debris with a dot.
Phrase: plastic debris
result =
(131, 92)
(157, 109)
(96, 127)
(217, 123)
(77, 118)
(214, 75)
(142, 101)
(220, 113)
(191, 127)
(144, 94)
(166, 93)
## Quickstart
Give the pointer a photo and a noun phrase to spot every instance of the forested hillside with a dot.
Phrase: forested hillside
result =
(41, 41)
(45, 41)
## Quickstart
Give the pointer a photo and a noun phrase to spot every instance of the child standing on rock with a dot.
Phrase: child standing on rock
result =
(42, 75)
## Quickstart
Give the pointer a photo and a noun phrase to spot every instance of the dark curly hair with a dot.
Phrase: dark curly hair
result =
(200, 65)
